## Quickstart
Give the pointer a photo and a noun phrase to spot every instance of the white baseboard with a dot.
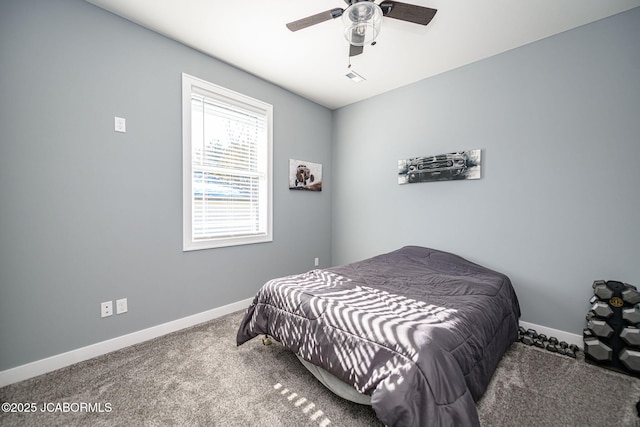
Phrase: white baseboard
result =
(561, 335)
(58, 361)
(39, 367)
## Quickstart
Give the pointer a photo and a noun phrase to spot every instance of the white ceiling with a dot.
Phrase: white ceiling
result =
(251, 35)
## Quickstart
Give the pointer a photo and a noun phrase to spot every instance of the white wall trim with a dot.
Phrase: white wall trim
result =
(561, 335)
(39, 367)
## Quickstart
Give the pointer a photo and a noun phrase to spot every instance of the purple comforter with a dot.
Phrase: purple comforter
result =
(420, 330)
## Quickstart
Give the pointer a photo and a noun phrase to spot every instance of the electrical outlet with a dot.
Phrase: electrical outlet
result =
(317, 262)
(120, 124)
(106, 308)
(121, 306)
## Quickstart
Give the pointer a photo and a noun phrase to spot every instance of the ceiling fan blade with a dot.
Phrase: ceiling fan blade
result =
(407, 12)
(315, 19)
(355, 50)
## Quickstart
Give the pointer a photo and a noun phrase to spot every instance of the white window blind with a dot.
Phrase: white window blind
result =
(228, 201)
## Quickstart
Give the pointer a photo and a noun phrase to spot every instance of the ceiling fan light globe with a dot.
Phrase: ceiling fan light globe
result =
(361, 11)
(362, 23)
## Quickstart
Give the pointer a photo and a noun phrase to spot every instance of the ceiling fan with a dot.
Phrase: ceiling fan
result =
(362, 19)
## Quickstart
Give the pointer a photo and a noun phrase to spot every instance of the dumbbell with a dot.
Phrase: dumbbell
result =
(567, 350)
(553, 345)
(601, 309)
(572, 350)
(529, 337)
(562, 347)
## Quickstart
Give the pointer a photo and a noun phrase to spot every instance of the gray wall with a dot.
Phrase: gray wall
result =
(557, 207)
(90, 215)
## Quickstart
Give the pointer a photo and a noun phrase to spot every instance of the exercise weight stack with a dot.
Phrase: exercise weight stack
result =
(612, 335)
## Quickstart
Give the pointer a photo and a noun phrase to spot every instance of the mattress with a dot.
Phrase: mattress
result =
(338, 387)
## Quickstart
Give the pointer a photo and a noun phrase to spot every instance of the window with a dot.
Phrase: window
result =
(226, 164)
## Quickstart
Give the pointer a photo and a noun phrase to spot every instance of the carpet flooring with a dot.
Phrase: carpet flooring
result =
(199, 377)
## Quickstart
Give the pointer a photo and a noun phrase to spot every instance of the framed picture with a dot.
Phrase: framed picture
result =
(458, 165)
(305, 175)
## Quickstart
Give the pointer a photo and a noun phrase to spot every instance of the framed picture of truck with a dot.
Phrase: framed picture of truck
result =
(458, 165)
(305, 175)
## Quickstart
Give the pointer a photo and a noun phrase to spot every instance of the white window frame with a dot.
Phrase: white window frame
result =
(190, 85)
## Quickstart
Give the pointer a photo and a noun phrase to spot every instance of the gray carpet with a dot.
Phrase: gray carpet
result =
(199, 377)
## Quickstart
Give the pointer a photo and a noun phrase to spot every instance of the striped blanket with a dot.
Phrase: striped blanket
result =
(419, 330)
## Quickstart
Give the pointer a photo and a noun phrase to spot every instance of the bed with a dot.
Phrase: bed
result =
(419, 330)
